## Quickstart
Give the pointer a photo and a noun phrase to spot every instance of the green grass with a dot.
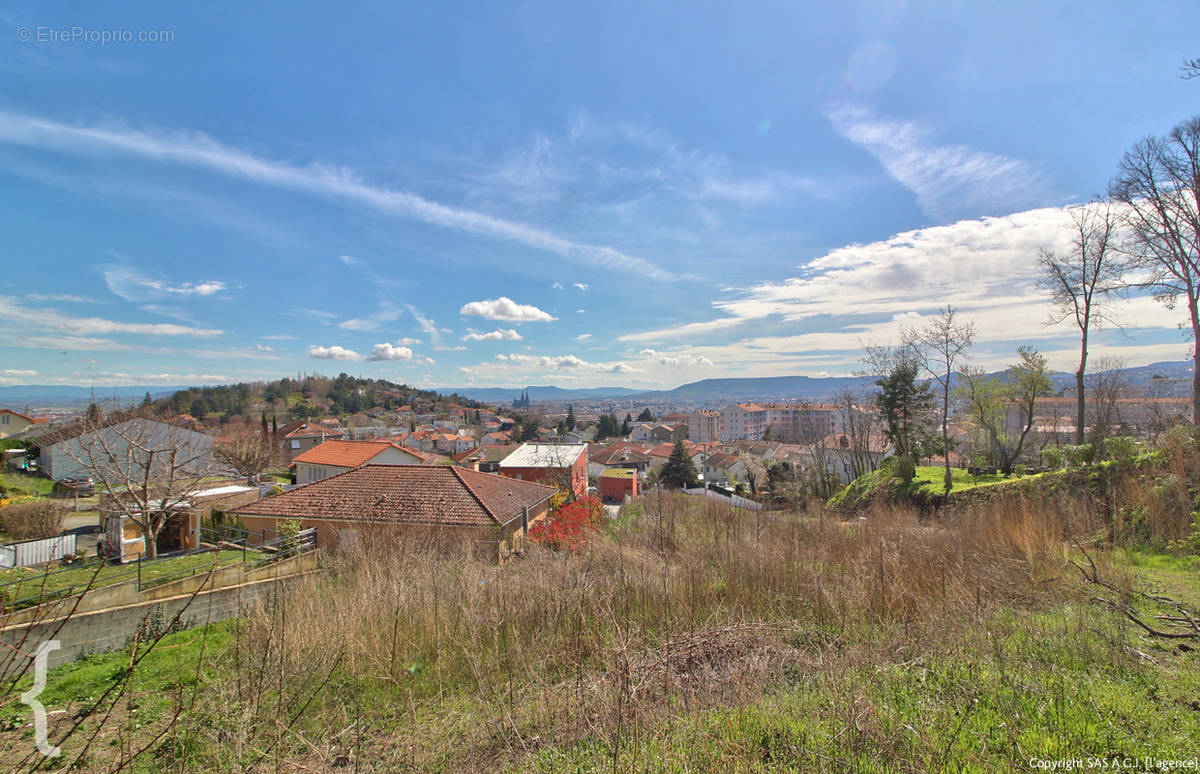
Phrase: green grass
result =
(931, 479)
(1045, 686)
(22, 484)
(29, 582)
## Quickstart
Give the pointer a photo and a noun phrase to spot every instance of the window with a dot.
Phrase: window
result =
(295, 444)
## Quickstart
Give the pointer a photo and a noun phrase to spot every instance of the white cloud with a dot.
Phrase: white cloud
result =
(332, 353)
(63, 297)
(987, 268)
(387, 312)
(386, 351)
(199, 150)
(18, 372)
(428, 326)
(21, 318)
(558, 286)
(580, 285)
(407, 341)
(504, 308)
(500, 334)
(948, 180)
(583, 336)
(133, 284)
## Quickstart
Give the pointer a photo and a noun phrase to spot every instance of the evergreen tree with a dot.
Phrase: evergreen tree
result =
(679, 471)
(625, 428)
(264, 425)
(570, 418)
(93, 412)
(147, 401)
(646, 415)
(906, 407)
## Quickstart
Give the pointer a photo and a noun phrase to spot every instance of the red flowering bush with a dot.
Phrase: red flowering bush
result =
(569, 525)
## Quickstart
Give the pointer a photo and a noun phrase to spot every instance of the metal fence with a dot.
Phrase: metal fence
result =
(29, 552)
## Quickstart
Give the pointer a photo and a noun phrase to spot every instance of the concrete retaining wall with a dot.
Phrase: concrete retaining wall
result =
(104, 630)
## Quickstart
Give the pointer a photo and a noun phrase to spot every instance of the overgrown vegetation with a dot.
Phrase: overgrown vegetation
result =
(693, 636)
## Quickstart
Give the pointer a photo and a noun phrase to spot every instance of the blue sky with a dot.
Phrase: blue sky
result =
(524, 193)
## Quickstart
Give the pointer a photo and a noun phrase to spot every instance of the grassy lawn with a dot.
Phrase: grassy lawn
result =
(28, 582)
(932, 479)
(22, 484)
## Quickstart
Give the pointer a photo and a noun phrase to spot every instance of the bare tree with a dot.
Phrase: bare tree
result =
(1109, 385)
(1158, 181)
(245, 450)
(940, 347)
(989, 401)
(1082, 282)
(1190, 69)
(149, 470)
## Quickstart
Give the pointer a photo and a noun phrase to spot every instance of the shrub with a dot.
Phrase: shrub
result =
(1019, 470)
(1120, 447)
(32, 519)
(902, 467)
(1052, 458)
(569, 527)
(1077, 455)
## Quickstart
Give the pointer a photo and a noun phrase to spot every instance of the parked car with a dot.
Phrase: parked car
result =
(72, 486)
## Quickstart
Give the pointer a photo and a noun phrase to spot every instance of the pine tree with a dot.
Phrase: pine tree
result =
(646, 415)
(679, 471)
(570, 418)
(264, 425)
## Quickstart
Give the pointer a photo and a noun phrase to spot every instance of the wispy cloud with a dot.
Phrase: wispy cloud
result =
(199, 150)
(16, 317)
(133, 284)
(504, 308)
(948, 180)
(387, 312)
(428, 326)
(60, 297)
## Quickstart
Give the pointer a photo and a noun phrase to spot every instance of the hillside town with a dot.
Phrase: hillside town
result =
(600, 387)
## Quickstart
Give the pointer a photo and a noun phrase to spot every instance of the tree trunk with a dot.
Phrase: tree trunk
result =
(151, 545)
(949, 479)
(1080, 402)
(1192, 308)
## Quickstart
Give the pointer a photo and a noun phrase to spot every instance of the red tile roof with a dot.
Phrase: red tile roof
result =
(407, 494)
(346, 454)
(306, 430)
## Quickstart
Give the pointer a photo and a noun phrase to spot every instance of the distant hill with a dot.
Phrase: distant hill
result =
(544, 393)
(50, 395)
(781, 388)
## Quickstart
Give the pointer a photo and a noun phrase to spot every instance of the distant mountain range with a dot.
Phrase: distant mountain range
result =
(537, 393)
(710, 392)
(51, 395)
(722, 391)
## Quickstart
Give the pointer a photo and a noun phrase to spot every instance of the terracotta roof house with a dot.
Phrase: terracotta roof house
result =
(12, 423)
(299, 437)
(563, 465)
(334, 457)
(486, 458)
(450, 507)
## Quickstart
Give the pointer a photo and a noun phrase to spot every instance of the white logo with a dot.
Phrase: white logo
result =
(30, 697)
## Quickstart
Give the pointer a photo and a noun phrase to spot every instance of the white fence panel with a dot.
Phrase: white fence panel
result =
(30, 552)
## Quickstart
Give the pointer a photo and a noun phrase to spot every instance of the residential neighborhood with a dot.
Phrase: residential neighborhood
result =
(492, 388)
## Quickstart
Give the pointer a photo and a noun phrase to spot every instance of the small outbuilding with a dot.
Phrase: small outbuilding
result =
(618, 483)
